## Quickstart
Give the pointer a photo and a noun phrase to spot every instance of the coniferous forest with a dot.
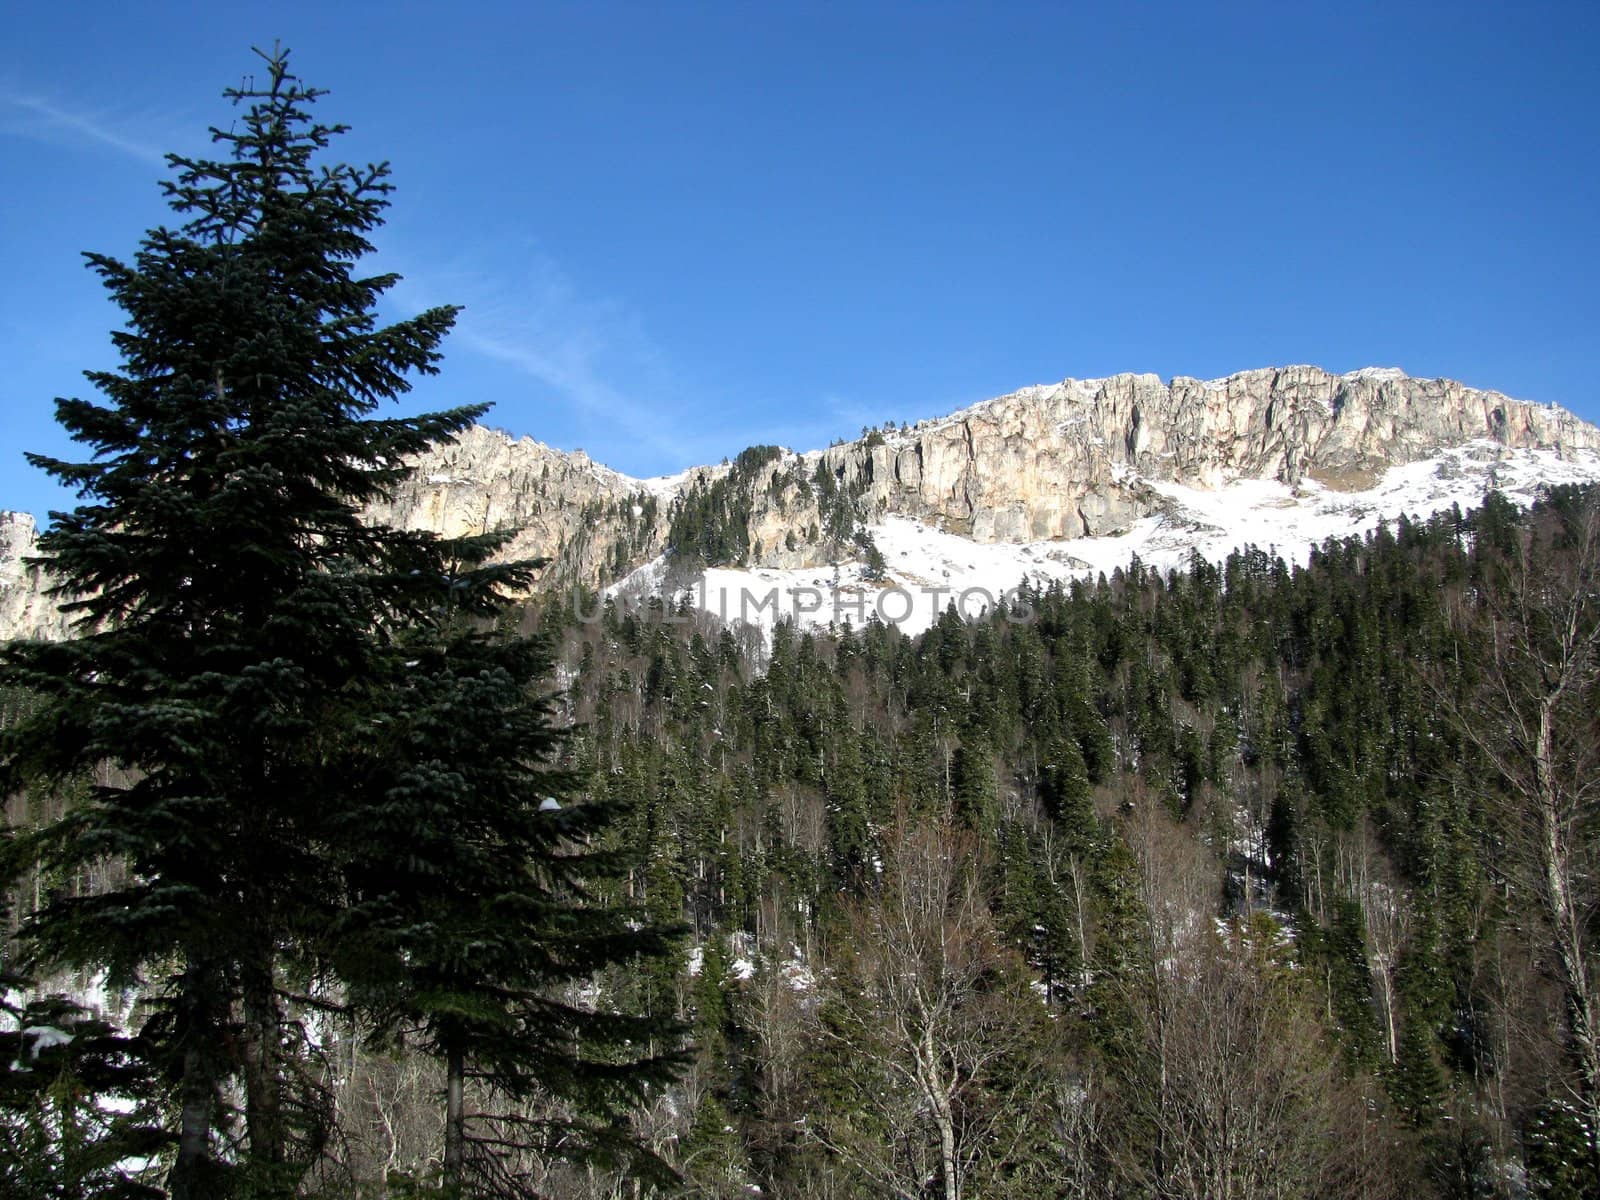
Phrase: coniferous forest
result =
(1244, 881)
(1241, 881)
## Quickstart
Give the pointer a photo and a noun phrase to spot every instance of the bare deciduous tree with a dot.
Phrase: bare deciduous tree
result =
(1227, 1086)
(1532, 716)
(950, 1074)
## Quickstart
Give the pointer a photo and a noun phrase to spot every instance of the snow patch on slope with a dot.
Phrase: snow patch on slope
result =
(929, 569)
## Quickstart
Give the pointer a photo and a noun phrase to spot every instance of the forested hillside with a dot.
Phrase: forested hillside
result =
(1243, 881)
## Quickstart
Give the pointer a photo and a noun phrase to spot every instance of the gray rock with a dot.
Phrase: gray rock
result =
(1059, 461)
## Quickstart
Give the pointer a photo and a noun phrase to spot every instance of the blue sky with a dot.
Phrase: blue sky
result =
(680, 229)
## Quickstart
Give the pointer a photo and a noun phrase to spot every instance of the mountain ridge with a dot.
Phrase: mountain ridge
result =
(1047, 463)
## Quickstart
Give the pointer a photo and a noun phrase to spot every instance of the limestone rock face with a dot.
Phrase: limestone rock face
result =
(587, 521)
(25, 611)
(1066, 460)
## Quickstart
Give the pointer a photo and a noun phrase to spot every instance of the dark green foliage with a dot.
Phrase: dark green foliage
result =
(1339, 953)
(711, 522)
(838, 501)
(636, 519)
(1557, 1152)
(972, 786)
(80, 1106)
(263, 686)
(1287, 711)
(471, 875)
(1065, 790)
(227, 594)
(1243, 786)
(1268, 708)
(871, 557)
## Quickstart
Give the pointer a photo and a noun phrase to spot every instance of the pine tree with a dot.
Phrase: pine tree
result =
(475, 876)
(238, 624)
(972, 787)
(79, 1104)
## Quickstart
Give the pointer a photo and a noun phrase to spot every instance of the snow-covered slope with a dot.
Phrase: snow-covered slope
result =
(1071, 459)
(928, 569)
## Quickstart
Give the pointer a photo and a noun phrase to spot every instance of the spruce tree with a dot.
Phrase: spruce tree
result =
(79, 1105)
(240, 629)
(476, 905)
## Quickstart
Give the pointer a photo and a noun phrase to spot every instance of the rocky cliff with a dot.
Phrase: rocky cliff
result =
(25, 611)
(1070, 460)
(1067, 460)
(1061, 461)
(588, 522)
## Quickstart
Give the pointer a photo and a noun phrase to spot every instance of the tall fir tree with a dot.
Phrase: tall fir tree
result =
(239, 628)
(476, 905)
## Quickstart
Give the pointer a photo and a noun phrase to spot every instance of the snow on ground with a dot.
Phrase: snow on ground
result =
(1290, 522)
(39, 1038)
(665, 487)
(929, 569)
(643, 581)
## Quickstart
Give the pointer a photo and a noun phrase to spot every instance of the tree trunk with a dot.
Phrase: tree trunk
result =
(455, 1120)
(1583, 1026)
(944, 1117)
(947, 1152)
(192, 1174)
(264, 1125)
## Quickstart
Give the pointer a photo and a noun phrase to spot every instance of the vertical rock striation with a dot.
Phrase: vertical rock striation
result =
(1067, 460)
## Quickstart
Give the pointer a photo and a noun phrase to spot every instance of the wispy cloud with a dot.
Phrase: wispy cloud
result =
(591, 355)
(571, 371)
(39, 119)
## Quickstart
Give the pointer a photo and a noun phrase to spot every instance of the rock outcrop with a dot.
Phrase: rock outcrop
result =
(1068, 460)
(586, 521)
(25, 610)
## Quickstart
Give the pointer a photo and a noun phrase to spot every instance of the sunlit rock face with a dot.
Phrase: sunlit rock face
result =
(25, 611)
(1080, 458)
(565, 508)
(1071, 459)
